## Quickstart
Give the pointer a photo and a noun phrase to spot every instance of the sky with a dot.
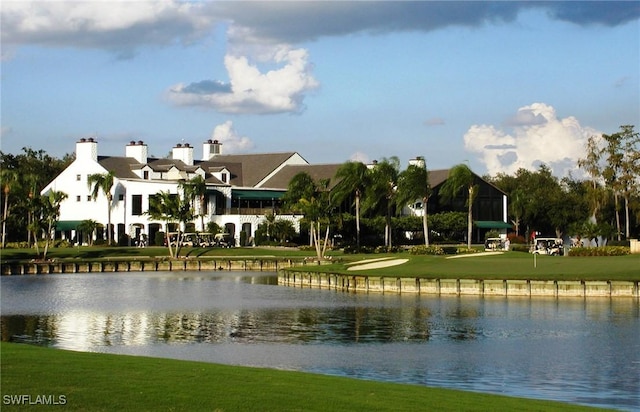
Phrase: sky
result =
(495, 85)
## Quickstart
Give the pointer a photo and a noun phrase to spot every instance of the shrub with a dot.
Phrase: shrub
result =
(520, 247)
(513, 238)
(424, 250)
(600, 251)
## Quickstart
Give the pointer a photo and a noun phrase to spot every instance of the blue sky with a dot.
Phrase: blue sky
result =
(500, 85)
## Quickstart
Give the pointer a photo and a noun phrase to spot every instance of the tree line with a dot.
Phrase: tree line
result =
(364, 204)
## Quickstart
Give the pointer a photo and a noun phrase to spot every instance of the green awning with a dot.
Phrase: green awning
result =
(64, 225)
(492, 224)
(257, 194)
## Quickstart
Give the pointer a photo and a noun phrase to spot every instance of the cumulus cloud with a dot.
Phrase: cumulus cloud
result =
(250, 90)
(537, 137)
(230, 139)
(118, 26)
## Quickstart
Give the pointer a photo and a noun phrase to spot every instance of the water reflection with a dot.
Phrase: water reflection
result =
(576, 350)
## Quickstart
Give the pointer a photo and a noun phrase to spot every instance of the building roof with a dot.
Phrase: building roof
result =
(248, 169)
(317, 172)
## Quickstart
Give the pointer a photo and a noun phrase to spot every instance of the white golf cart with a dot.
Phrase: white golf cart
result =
(548, 246)
(494, 244)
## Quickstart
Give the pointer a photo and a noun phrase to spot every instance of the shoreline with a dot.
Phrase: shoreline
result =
(461, 287)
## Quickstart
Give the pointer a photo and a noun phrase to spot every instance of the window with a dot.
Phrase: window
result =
(136, 205)
(77, 198)
(224, 177)
(78, 177)
(146, 175)
(120, 197)
(89, 198)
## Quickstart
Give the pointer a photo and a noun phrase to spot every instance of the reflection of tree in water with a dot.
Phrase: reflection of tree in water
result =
(347, 324)
(30, 329)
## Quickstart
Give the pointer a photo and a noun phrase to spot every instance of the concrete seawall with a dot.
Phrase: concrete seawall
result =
(152, 265)
(527, 288)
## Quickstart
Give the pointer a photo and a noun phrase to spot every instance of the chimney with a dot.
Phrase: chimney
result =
(418, 161)
(210, 148)
(137, 150)
(183, 152)
(87, 149)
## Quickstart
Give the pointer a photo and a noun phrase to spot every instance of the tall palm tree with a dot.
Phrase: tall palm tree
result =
(413, 183)
(103, 182)
(10, 181)
(460, 178)
(353, 177)
(381, 191)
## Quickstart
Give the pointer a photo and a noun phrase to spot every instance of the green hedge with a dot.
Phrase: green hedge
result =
(600, 251)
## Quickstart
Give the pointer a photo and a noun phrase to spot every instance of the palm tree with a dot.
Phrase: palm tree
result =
(103, 182)
(51, 214)
(313, 200)
(88, 227)
(164, 206)
(10, 180)
(353, 177)
(381, 191)
(413, 183)
(461, 177)
(194, 189)
(170, 208)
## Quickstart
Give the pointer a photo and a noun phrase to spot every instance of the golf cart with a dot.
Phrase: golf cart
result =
(493, 244)
(224, 240)
(547, 246)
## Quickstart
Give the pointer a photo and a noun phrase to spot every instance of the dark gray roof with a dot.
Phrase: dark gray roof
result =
(317, 172)
(120, 166)
(248, 169)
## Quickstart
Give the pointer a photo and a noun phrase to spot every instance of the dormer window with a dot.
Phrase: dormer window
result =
(145, 175)
(78, 177)
(224, 178)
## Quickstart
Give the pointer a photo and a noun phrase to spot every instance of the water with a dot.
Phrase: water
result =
(583, 351)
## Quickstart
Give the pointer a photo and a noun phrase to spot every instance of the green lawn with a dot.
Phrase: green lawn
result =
(101, 382)
(510, 265)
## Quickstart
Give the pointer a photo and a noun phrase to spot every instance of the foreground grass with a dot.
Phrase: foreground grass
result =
(102, 382)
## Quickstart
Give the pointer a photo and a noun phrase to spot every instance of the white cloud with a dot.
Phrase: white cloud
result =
(360, 157)
(119, 26)
(538, 136)
(232, 142)
(249, 90)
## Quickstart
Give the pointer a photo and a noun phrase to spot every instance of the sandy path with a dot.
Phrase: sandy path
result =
(379, 263)
(474, 254)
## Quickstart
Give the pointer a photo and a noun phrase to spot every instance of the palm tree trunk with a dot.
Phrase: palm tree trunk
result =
(109, 235)
(5, 214)
(615, 197)
(358, 220)
(425, 224)
(470, 218)
(626, 217)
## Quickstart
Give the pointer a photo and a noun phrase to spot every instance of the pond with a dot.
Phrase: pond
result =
(583, 351)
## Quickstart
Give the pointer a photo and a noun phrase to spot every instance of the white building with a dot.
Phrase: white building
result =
(241, 189)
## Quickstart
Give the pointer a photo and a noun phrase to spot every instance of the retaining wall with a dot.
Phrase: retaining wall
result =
(528, 288)
(38, 268)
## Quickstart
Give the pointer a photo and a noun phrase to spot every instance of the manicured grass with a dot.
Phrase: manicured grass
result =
(104, 252)
(510, 265)
(101, 382)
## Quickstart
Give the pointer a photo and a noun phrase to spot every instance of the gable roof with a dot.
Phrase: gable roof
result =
(248, 169)
(317, 172)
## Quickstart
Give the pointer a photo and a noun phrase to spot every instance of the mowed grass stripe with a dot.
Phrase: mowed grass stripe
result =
(104, 382)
